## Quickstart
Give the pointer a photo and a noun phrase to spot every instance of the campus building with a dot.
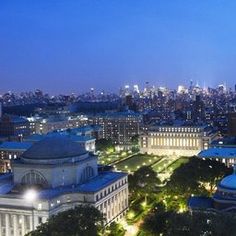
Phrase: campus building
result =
(10, 151)
(223, 200)
(176, 140)
(14, 127)
(223, 150)
(42, 125)
(54, 175)
(120, 127)
(225, 155)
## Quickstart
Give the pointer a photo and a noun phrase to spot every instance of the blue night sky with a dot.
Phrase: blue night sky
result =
(72, 45)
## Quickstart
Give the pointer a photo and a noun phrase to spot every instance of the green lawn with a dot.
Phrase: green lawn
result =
(169, 165)
(135, 162)
(177, 163)
(160, 166)
(105, 158)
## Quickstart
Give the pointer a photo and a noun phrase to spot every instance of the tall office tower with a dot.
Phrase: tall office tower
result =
(0, 109)
(136, 88)
(198, 109)
(232, 124)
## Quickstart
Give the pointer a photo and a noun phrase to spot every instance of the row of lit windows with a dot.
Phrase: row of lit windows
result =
(114, 205)
(174, 142)
(175, 134)
(179, 129)
(110, 189)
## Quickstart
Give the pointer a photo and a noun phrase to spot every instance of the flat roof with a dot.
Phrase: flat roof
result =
(15, 146)
(76, 138)
(218, 152)
(96, 184)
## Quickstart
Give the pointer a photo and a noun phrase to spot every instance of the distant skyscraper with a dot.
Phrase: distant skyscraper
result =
(198, 108)
(136, 88)
(0, 109)
(232, 124)
(191, 85)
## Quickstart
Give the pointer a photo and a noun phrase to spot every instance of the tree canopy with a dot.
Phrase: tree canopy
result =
(169, 223)
(144, 181)
(196, 177)
(80, 221)
(104, 145)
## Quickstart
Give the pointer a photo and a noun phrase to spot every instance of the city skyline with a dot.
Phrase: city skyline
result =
(67, 47)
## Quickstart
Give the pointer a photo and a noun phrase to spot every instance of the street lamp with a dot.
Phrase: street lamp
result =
(30, 195)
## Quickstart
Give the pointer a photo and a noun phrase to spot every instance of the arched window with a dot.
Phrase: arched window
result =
(87, 174)
(34, 178)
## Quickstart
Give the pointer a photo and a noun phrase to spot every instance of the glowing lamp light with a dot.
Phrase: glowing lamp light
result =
(30, 195)
(131, 215)
(144, 204)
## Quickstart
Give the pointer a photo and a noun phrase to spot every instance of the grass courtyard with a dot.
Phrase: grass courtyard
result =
(159, 164)
(136, 161)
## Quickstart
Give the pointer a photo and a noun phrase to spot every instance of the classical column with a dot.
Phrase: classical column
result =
(31, 222)
(1, 215)
(23, 225)
(15, 225)
(7, 221)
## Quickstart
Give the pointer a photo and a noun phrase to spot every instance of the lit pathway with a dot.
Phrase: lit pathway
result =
(131, 230)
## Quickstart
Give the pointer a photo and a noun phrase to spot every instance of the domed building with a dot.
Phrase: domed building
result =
(225, 197)
(54, 175)
(53, 162)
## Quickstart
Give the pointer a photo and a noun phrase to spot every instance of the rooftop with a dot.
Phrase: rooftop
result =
(54, 147)
(13, 119)
(200, 202)
(76, 138)
(218, 153)
(94, 185)
(229, 182)
(119, 114)
(22, 146)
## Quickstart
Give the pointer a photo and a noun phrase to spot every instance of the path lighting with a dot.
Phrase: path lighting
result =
(131, 215)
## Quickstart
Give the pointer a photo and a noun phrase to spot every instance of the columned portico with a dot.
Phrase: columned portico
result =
(22, 222)
(55, 175)
(15, 225)
(7, 225)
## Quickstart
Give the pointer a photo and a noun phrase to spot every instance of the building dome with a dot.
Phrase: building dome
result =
(56, 147)
(229, 182)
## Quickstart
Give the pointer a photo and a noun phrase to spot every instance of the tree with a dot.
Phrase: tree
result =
(144, 181)
(157, 221)
(115, 229)
(198, 177)
(135, 143)
(201, 223)
(80, 221)
(135, 140)
(169, 223)
(104, 145)
(210, 172)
